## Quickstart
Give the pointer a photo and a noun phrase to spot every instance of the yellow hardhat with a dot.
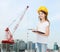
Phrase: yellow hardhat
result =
(42, 8)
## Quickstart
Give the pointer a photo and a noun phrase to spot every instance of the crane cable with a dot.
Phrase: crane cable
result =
(16, 26)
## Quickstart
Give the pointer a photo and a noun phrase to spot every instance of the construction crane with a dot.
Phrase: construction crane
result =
(9, 36)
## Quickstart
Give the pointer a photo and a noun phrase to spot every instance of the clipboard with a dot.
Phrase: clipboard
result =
(39, 32)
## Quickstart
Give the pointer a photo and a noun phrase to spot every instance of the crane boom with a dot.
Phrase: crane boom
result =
(20, 19)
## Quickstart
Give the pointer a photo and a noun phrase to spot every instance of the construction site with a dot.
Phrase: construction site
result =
(14, 35)
(11, 45)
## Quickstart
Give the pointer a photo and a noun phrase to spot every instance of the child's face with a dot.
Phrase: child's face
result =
(42, 15)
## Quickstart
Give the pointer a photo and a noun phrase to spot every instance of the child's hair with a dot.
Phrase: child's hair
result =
(45, 16)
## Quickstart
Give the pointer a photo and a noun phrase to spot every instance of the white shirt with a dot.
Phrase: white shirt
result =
(42, 27)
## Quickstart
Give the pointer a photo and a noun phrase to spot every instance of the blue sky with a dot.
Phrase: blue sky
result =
(13, 9)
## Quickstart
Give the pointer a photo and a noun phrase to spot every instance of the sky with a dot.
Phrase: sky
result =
(11, 10)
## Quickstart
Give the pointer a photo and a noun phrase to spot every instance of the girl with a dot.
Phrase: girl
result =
(42, 30)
